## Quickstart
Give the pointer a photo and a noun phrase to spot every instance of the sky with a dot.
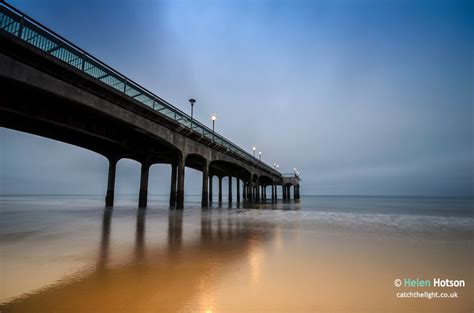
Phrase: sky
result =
(362, 97)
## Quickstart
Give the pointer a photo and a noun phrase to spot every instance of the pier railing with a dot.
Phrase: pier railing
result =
(32, 32)
(290, 175)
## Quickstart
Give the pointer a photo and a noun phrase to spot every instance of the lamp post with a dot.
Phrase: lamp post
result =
(295, 170)
(254, 149)
(260, 156)
(192, 101)
(213, 119)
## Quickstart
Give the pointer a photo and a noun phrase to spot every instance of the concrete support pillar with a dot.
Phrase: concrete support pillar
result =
(244, 190)
(276, 192)
(273, 191)
(220, 188)
(210, 188)
(180, 193)
(205, 186)
(230, 189)
(143, 196)
(109, 197)
(257, 191)
(297, 191)
(284, 192)
(238, 190)
(173, 186)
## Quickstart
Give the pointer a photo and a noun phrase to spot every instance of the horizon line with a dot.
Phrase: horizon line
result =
(198, 195)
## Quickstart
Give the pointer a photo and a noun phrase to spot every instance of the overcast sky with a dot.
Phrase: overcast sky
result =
(363, 97)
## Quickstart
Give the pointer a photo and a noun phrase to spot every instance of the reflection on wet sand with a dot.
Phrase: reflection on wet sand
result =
(105, 239)
(230, 260)
(154, 278)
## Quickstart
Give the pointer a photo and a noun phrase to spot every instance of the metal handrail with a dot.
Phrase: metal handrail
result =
(290, 175)
(32, 32)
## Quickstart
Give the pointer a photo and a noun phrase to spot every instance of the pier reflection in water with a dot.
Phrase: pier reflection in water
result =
(60, 257)
(154, 276)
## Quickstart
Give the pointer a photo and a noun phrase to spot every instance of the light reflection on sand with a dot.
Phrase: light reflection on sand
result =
(222, 260)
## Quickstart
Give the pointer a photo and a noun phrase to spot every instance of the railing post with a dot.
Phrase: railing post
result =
(83, 66)
(20, 30)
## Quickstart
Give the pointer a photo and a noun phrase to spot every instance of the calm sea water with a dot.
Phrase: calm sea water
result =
(63, 253)
(447, 215)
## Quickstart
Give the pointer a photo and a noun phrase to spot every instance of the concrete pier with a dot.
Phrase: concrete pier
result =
(230, 189)
(180, 193)
(220, 189)
(143, 196)
(205, 186)
(173, 187)
(109, 119)
(109, 198)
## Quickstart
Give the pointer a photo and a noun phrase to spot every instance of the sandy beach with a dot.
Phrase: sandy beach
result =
(231, 260)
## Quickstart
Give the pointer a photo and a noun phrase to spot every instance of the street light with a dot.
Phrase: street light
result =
(254, 148)
(274, 165)
(295, 170)
(260, 156)
(213, 119)
(192, 107)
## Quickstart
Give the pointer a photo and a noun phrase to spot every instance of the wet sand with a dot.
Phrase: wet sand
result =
(225, 260)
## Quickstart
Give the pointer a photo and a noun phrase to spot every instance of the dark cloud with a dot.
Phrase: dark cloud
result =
(362, 97)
